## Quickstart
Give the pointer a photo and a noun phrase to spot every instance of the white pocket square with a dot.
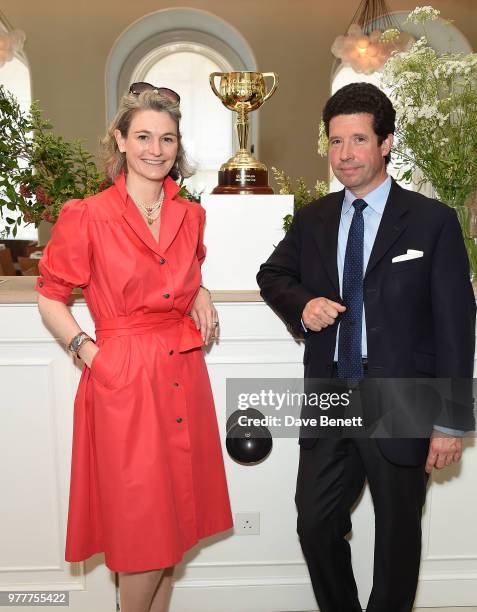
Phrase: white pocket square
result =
(411, 254)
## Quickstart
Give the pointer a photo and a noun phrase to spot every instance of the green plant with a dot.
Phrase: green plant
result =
(435, 96)
(39, 170)
(184, 192)
(302, 194)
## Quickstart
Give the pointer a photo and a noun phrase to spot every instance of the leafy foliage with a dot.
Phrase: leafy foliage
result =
(303, 195)
(192, 196)
(39, 170)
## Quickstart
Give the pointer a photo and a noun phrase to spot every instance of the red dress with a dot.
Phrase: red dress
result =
(147, 474)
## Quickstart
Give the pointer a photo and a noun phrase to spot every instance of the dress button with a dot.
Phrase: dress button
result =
(166, 295)
(171, 352)
(162, 261)
(179, 420)
(175, 384)
(40, 284)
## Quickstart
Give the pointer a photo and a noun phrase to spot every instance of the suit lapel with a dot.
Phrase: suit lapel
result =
(393, 223)
(326, 234)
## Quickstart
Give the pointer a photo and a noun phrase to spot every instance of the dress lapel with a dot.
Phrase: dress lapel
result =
(172, 214)
(393, 223)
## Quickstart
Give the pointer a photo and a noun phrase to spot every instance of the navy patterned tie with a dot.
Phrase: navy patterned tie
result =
(350, 364)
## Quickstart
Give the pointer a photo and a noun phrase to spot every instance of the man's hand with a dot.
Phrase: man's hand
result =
(443, 450)
(321, 312)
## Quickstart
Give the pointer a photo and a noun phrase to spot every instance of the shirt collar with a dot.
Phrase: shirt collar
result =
(376, 199)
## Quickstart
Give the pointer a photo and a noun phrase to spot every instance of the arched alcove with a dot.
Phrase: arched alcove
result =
(152, 48)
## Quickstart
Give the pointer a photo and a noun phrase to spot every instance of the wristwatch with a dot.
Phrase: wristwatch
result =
(76, 343)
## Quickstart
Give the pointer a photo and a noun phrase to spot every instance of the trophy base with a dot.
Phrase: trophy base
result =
(243, 181)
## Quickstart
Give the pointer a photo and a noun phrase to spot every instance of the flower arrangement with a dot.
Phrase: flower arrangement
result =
(435, 96)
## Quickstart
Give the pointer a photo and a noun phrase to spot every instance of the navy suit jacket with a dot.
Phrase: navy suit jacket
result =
(420, 313)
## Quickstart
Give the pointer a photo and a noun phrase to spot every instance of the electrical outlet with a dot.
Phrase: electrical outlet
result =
(247, 523)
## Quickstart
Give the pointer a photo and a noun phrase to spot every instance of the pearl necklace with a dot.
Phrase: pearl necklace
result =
(150, 210)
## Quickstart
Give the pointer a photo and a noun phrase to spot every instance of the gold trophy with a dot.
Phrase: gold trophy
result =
(243, 92)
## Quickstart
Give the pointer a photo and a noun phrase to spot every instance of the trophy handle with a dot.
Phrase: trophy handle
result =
(212, 82)
(274, 86)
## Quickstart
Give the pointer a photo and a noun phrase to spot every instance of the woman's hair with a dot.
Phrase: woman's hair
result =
(113, 161)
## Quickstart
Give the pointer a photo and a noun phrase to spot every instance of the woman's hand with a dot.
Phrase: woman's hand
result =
(205, 316)
(87, 352)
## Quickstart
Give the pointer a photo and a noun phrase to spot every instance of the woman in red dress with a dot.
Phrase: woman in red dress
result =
(147, 474)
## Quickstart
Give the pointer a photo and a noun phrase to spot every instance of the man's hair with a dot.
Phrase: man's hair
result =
(363, 98)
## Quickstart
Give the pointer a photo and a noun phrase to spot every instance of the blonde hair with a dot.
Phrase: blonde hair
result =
(113, 161)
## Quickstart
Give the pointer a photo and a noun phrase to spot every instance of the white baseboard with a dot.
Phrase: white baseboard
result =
(259, 598)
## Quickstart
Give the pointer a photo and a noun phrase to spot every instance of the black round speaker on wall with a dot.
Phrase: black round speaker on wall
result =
(246, 442)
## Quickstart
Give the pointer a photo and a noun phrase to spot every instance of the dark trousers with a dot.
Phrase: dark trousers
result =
(331, 476)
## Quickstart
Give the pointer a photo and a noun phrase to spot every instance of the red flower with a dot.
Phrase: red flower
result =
(41, 195)
(46, 216)
(42, 198)
(28, 217)
(25, 192)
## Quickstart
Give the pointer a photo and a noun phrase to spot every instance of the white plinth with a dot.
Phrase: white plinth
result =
(240, 234)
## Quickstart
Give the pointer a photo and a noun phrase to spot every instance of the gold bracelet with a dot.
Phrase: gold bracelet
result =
(208, 291)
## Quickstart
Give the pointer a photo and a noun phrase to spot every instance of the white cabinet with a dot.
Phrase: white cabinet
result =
(261, 573)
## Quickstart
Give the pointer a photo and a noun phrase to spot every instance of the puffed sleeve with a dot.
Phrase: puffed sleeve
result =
(201, 249)
(67, 256)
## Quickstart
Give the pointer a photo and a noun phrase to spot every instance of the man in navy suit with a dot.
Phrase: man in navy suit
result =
(376, 278)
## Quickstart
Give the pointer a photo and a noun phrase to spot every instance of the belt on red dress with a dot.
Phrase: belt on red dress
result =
(146, 322)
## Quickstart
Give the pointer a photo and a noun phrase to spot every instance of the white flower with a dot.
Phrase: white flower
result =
(422, 14)
(435, 97)
(322, 140)
(389, 35)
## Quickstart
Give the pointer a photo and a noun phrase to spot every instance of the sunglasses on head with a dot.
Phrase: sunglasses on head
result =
(139, 88)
